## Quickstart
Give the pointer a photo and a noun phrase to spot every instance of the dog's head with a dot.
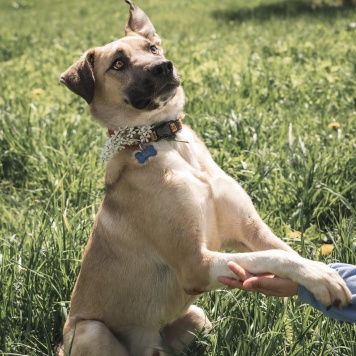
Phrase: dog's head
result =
(129, 81)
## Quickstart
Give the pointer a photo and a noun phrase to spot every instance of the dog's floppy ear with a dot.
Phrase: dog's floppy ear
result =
(140, 24)
(79, 77)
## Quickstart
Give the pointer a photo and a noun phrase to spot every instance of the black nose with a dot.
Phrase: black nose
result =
(162, 69)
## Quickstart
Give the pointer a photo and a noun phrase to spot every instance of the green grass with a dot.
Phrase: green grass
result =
(263, 80)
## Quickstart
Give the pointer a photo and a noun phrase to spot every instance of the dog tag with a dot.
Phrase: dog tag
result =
(142, 156)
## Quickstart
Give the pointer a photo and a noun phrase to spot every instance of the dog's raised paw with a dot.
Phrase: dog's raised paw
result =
(327, 286)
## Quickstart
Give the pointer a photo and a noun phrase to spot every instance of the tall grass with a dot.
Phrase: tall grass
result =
(263, 81)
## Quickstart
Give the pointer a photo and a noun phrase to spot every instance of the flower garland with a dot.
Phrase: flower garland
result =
(124, 136)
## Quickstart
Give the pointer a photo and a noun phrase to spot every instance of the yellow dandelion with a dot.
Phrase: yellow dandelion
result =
(326, 249)
(334, 125)
(295, 234)
(37, 91)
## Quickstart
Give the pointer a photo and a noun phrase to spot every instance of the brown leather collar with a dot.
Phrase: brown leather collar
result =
(165, 130)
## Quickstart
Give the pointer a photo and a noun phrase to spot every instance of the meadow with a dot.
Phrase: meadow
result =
(270, 88)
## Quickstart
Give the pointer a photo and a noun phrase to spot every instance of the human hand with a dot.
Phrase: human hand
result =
(267, 284)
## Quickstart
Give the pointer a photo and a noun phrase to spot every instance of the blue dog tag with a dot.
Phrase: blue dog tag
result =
(142, 156)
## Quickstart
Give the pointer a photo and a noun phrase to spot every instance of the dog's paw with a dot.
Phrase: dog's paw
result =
(326, 285)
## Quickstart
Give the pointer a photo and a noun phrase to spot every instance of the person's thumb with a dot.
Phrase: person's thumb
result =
(252, 284)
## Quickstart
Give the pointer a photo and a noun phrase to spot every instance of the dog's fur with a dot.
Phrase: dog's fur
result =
(154, 245)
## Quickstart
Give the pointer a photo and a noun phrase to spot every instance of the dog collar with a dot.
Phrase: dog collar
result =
(132, 136)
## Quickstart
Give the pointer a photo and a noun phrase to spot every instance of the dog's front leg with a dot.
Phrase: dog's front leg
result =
(239, 225)
(326, 285)
(199, 272)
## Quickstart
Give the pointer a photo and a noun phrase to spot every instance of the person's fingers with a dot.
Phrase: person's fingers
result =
(256, 286)
(225, 280)
(278, 287)
(232, 283)
(239, 271)
(266, 275)
(267, 284)
(253, 284)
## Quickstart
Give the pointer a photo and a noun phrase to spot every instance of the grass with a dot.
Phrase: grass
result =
(263, 81)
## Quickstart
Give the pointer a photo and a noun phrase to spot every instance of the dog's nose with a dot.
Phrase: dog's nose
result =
(162, 69)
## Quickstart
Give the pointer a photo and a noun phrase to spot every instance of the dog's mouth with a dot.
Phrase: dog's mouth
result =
(160, 96)
(169, 87)
(145, 104)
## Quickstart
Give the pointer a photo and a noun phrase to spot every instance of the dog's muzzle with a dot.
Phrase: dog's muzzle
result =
(153, 86)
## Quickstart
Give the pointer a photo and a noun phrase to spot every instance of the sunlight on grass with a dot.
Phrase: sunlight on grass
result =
(270, 88)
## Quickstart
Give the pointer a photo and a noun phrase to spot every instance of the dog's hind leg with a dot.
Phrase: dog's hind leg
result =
(91, 338)
(172, 339)
(182, 331)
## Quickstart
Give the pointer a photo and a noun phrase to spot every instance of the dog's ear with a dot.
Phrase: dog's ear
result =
(140, 24)
(79, 77)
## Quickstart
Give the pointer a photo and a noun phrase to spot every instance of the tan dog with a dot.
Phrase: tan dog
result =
(167, 210)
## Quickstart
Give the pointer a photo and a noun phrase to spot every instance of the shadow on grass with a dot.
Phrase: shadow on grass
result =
(286, 9)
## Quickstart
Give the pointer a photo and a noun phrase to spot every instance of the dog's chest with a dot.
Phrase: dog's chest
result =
(173, 189)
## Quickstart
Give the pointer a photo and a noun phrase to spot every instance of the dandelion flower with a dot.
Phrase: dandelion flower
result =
(334, 125)
(37, 91)
(326, 249)
(295, 234)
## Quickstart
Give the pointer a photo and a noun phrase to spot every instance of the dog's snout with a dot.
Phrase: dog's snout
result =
(162, 69)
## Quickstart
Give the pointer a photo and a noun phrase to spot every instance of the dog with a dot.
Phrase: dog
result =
(168, 211)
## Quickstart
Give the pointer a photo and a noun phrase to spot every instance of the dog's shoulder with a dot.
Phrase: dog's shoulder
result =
(198, 152)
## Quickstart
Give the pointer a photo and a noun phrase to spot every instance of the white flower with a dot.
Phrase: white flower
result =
(144, 133)
(122, 137)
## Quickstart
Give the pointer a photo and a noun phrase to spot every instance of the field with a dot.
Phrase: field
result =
(270, 88)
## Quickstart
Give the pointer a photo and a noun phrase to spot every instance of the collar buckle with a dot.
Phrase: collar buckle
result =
(166, 130)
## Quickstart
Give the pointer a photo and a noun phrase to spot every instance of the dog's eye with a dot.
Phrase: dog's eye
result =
(154, 49)
(118, 64)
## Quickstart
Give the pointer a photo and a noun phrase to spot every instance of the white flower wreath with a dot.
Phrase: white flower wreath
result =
(124, 136)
